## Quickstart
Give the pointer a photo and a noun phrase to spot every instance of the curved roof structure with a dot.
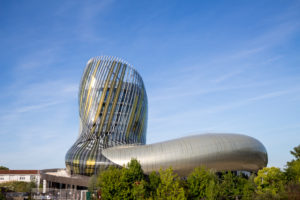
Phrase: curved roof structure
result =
(113, 114)
(233, 152)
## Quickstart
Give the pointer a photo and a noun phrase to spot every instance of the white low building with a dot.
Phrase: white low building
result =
(20, 175)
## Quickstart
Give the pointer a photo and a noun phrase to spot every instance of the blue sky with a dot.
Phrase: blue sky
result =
(208, 66)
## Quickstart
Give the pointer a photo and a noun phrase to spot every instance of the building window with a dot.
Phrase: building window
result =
(22, 178)
(32, 178)
(1, 178)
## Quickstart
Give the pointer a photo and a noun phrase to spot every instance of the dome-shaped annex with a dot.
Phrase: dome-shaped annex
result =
(216, 151)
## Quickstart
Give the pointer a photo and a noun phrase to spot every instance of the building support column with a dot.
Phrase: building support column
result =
(38, 182)
(44, 186)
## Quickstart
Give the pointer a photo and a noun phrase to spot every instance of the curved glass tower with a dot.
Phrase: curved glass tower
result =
(112, 110)
(113, 123)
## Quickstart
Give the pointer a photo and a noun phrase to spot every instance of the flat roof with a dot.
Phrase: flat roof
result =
(19, 171)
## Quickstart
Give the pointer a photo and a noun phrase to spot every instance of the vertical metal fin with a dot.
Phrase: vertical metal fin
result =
(132, 115)
(112, 86)
(103, 95)
(89, 67)
(89, 98)
(116, 97)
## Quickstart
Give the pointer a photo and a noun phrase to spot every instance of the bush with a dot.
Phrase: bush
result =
(19, 186)
(3, 168)
(131, 183)
(201, 183)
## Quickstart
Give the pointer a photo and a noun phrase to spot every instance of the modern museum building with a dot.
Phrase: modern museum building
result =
(113, 111)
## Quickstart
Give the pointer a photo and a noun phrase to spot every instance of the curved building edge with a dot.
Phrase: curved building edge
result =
(219, 152)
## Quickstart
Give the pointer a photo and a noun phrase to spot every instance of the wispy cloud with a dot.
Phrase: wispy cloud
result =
(227, 76)
(35, 107)
(38, 97)
(90, 18)
(185, 91)
(41, 58)
(244, 53)
(195, 113)
(277, 34)
(250, 100)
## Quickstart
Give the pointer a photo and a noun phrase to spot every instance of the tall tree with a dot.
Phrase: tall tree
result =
(296, 152)
(292, 175)
(270, 183)
(133, 172)
(169, 187)
(200, 183)
(153, 183)
(125, 183)
(292, 170)
(3, 168)
(109, 183)
(139, 190)
(211, 191)
(19, 186)
(228, 186)
(248, 191)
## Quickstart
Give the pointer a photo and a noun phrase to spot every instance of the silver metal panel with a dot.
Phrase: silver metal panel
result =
(232, 152)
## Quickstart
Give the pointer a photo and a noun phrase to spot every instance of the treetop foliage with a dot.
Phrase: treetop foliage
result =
(296, 152)
(270, 181)
(3, 168)
(131, 183)
(18, 186)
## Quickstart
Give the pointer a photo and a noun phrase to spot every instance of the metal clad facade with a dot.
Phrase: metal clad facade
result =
(111, 95)
(113, 113)
(220, 152)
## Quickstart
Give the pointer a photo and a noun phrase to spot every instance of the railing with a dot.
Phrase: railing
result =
(60, 194)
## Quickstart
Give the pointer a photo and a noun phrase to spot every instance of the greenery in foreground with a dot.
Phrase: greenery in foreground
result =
(15, 186)
(131, 183)
(3, 168)
(18, 186)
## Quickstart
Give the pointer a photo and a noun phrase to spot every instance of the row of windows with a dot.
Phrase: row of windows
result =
(21, 178)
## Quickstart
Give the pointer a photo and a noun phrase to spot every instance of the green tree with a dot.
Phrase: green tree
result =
(296, 152)
(2, 196)
(19, 186)
(133, 172)
(292, 170)
(201, 183)
(139, 189)
(212, 190)
(92, 187)
(292, 175)
(125, 183)
(270, 183)
(248, 191)
(131, 177)
(3, 168)
(169, 187)
(109, 182)
(153, 183)
(227, 186)
(234, 186)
